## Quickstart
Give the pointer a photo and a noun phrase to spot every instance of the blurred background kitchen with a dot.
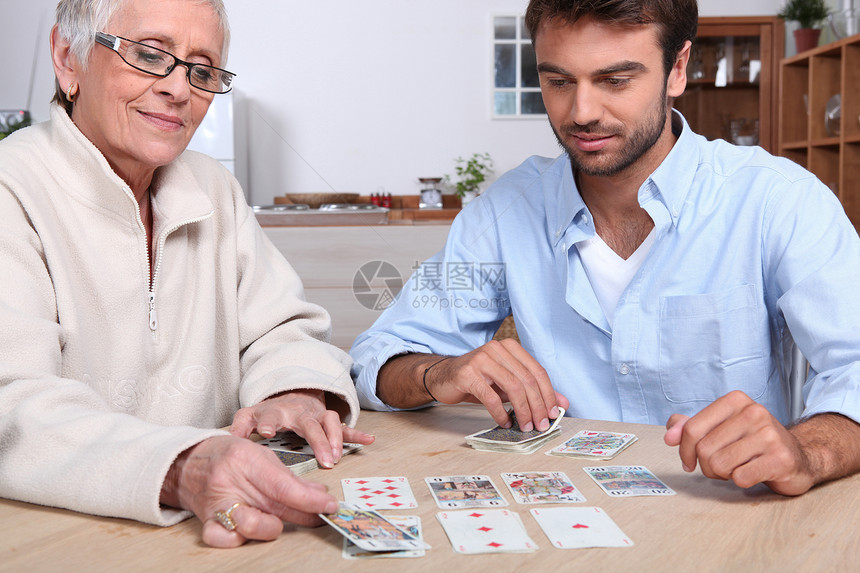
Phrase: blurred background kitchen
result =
(363, 97)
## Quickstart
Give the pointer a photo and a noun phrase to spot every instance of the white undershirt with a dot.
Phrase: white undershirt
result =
(608, 273)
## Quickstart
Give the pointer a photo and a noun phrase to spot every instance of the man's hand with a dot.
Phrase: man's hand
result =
(219, 472)
(303, 412)
(738, 439)
(497, 372)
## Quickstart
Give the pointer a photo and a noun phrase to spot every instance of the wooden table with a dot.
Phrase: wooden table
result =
(708, 526)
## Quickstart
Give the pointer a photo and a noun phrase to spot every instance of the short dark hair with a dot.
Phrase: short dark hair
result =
(677, 20)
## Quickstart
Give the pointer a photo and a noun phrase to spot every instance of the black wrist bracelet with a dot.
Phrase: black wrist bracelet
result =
(424, 379)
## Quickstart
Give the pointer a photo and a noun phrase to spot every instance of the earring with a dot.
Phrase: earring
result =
(72, 96)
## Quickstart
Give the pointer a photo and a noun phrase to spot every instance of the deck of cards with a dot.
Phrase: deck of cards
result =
(513, 439)
(295, 453)
(594, 444)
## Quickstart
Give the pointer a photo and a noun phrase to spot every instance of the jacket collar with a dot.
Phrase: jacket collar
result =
(176, 195)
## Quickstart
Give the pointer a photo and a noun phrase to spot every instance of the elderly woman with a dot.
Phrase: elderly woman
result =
(141, 306)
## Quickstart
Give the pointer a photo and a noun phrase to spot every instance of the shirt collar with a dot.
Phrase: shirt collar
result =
(669, 184)
(672, 179)
(563, 202)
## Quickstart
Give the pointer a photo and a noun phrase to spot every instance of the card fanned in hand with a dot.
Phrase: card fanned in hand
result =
(296, 453)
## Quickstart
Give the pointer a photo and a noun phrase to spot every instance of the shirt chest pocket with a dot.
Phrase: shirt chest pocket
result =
(711, 344)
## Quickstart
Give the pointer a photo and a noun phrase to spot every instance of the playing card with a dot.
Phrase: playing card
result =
(370, 531)
(292, 442)
(486, 531)
(457, 492)
(594, 444)
(512, 435)
(296, 453)
(628, 481)
(379, 492)
(542, 487)
(577, 527)
(410, 523)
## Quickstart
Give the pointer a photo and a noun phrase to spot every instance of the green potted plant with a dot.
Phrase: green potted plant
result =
(471, 173)
(808, 14)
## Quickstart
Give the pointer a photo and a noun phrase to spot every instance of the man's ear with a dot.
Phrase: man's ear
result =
(66, 65)
(677, 81)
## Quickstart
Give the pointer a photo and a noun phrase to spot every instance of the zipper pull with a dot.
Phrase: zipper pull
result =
(153, 320)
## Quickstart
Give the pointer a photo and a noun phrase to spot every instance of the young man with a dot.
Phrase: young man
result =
(653, 275)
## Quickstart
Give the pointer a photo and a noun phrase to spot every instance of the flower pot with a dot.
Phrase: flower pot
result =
(806, 39)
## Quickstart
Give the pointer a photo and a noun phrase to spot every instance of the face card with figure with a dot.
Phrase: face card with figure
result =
(486, 531)
(410, 523)
(578, 527)
(379, 492)
(628, 481)
(371, 531)
(594, 444)
(458, 492)
(542, 487)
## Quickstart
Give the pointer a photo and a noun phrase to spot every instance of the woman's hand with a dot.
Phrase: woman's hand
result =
(303, 412)
(222, 471)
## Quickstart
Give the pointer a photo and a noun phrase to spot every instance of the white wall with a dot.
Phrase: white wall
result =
(339, 94)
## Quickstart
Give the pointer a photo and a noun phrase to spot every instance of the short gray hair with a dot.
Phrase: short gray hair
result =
(79, 20)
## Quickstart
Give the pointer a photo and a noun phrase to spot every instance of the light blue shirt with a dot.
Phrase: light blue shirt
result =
(748, 246)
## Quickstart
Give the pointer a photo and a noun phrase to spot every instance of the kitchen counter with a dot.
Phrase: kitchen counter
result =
(316, 218)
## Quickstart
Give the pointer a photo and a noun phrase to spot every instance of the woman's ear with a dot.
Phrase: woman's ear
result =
(65, 63)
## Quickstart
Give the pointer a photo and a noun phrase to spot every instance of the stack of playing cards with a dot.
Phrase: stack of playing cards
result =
(370, 531)
(486, 531)
(295, 452)
(593, 444)
(513, 439)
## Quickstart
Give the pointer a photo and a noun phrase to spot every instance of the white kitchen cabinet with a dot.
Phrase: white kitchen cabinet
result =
(328, 259)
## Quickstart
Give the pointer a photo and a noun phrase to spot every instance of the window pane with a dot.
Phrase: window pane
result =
(506, 28)
(506, 71)
(528, 69)
(505, 103)
(524, 32)
(532, 103)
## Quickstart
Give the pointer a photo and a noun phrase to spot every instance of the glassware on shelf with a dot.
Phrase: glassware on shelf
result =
(697, 65)
(833, 115)
(743, 131)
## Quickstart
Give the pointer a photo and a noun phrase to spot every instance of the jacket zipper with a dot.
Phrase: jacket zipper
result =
(153, 275)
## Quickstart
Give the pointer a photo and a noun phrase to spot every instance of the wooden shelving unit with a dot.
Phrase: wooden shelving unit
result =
(830, 149)
(743, 86)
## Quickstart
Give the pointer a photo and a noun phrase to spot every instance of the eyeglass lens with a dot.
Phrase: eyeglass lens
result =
(161, 63)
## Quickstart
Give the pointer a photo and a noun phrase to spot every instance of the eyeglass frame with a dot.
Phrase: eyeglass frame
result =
(112, 42)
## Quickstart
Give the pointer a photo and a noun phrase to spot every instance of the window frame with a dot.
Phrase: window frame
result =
(518, 90)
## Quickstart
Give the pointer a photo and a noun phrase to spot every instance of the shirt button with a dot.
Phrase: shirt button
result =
(624, 369)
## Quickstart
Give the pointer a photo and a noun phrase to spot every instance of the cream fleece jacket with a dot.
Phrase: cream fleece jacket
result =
(104, 381)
